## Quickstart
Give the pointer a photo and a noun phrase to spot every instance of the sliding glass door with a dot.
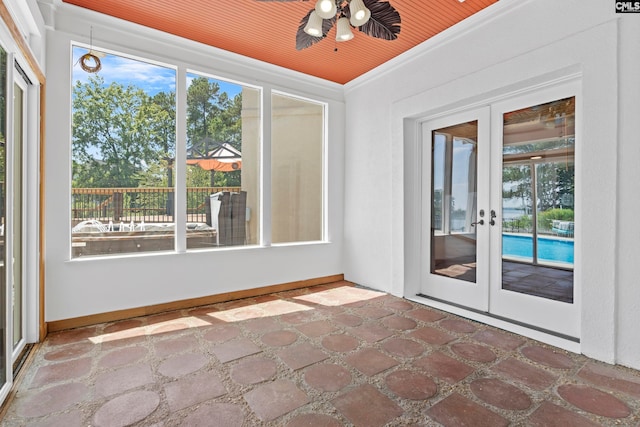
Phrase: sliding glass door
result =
(5, 353)
(14, 131)
(16, 183)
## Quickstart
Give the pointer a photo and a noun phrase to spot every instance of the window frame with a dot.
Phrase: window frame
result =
(266, 90)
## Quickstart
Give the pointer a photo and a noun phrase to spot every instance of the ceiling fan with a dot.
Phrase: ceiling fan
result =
(375, 18)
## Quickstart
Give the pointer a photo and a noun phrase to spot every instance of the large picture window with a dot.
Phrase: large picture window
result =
(124, 162)
(123, 146)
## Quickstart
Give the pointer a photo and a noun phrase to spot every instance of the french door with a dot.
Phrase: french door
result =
(498, 211)
(455, 200)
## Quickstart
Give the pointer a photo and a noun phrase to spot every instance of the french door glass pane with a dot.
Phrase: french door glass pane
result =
(454, 192)
(537, 200)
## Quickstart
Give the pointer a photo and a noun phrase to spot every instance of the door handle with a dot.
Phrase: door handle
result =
(492, 222)
(481, 222)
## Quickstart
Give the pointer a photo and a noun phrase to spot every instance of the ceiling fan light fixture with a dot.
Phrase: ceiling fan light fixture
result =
(314, 25)
(343, 30)
(326, 9)
(359, 13)
(374, 18)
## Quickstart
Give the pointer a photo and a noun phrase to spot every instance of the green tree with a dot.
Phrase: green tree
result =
(226, 125)
(203, 100)
(517, 183)
(554, 180)
(113, 134)
(213, 118)
(163, 128)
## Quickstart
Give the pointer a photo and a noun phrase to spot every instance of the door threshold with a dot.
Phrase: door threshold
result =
(19, 372)
(565, 342)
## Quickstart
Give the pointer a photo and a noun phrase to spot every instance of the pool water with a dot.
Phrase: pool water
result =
(550, 249)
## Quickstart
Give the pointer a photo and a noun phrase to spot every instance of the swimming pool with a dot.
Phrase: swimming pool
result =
(550, 249)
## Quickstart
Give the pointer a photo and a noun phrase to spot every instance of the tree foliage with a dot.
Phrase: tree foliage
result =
(553, 181)
(116, 134)
(123, 137)
(202, 105)
(212, 117)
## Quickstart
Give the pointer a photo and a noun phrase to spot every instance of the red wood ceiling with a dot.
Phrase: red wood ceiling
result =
(266, 30)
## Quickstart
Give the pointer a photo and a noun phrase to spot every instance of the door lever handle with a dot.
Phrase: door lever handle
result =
(481, 222)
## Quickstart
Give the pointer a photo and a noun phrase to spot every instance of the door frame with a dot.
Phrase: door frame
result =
(412, 220)
(17, 80)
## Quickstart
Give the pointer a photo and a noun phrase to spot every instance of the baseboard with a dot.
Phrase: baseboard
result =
(112, 316)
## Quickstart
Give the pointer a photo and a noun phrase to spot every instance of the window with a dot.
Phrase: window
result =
(223, 163)
(123, 146)
(297, 144)
(124, 194)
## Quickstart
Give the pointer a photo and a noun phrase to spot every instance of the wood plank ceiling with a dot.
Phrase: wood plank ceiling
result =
(266, 30)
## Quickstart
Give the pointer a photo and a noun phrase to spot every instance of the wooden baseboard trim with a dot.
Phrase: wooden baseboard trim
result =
(112, 316)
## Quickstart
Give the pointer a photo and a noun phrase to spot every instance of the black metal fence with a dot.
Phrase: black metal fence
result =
(148, 204)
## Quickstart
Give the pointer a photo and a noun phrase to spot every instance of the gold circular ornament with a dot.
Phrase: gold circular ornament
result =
(88, 58)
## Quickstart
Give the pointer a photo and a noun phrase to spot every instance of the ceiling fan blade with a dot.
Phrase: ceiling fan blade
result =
(384, 22)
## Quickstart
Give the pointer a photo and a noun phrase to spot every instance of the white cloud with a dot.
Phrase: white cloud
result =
(151, 78)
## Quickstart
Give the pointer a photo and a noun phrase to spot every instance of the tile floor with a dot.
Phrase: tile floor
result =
(331, 355)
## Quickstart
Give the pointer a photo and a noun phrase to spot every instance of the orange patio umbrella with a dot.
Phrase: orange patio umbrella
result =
(222, 157)
(222, 165)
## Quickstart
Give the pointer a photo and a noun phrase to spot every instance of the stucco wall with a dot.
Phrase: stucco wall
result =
(628, 190)
(509, 47)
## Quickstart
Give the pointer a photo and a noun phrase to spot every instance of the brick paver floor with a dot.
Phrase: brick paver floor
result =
(330, 355)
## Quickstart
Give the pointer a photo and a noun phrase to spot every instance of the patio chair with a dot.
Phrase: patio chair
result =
(215, 204)
(92, 225)
(562, 228)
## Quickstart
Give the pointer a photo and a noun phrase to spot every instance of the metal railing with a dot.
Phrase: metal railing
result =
(148, 204)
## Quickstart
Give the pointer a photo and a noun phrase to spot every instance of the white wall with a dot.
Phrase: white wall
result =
(30, 24)
(628, 190)
(86, 286)
(510, 46)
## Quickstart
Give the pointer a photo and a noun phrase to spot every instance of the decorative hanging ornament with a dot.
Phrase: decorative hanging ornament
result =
(90, 62)
(85, 61)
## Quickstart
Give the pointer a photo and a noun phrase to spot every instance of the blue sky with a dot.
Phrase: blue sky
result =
(150, 77)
